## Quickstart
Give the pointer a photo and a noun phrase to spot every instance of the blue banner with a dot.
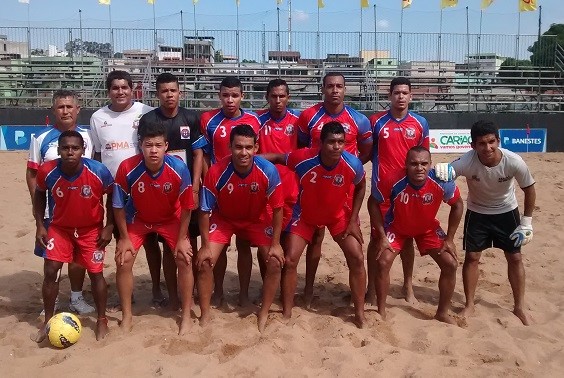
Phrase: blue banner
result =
(18, 137)
(521, 140)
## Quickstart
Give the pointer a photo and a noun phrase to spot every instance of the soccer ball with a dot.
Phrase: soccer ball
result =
(63, 330)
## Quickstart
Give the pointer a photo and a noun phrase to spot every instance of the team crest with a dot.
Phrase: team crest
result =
(254, 187)
(338, 180)
(136, 121)
(427, 198)
(98, 257)
(167, 188)
(86, 191)
(347, 128)
(269, 231)
(184, 132)
(289, 130)
(409, 133)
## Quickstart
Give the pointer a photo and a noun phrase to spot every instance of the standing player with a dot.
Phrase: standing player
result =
(325, 176)
(114, 135)
(416, 191)
(142, 181)
(236, 192)
(394, 131)
(358, 141)
(185, 142)
(75, 186)
(216, 127)
(43, 148)
(492, 217)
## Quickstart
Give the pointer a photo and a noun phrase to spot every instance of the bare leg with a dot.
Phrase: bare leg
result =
(407, 256)
(153, 254)
(516, 274)
(50, 290)
(470, 280)
(357, 274)
(218, 277)
(124, 279)
(447, 282)
(186, 286)
(169, 270)
(206, 280)
(294, 247)
(76, 276)
(100, 294)
(383, 266)
(270, 285)
(244, 269)
(313, 256)
(372, 272)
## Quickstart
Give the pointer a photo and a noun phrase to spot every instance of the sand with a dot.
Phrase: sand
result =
(319, 342)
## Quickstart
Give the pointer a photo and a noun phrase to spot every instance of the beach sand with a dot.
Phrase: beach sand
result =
(319, 342)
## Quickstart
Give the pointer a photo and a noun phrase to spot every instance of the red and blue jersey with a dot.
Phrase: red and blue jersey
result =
(278, 135)
(216, 128)
(392, 139)
(413, 210)
(323, 190)
(239, 197)
(153, 199)
(75, 201)
(356, 125)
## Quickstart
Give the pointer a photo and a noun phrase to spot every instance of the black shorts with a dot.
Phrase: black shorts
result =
(483, 231)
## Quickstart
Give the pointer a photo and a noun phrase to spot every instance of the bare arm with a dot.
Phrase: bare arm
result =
(31, 180)
(365, 152)
(530, 199)
(204, 225)
(39, 203)
(206, 164)
(358, 197)
(198, 167)
(454, 218)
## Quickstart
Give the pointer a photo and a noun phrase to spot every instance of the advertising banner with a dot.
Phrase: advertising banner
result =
(17, 137)
(523, 140)
(449, 140)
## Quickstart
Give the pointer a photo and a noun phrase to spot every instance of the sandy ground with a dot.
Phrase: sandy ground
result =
(319, 342)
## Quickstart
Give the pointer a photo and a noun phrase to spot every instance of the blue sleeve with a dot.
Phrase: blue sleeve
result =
(271, 174)
(356, 165)
(118, 197)
(207, 201)
(200, 143)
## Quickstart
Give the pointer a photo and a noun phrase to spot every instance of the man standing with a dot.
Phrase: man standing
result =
(394, 131)
(186, 142)
(236, 192)
(416, 191)
(492, 217)
(43, 148)
(216, 127)
(358, 142)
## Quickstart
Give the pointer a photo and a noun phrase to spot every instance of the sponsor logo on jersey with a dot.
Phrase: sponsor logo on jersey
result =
(119, 145)
(503, 179)
(184, 132)
(98, 257)
(269, 231)
(347, 128)
(289, 130)
(86, 191)
(409, 133)
(106, 124)
(254, 187)
(167, 188)
(427, 198)
(338, 180)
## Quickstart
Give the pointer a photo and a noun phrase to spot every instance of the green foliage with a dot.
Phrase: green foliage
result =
(543, 49)
(75, 47)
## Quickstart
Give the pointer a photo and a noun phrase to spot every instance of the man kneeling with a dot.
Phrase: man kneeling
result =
(415, 197)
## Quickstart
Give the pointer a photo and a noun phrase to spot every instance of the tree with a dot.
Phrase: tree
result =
(75, 47)
(218, 56)
(38, 52)
(543, 49)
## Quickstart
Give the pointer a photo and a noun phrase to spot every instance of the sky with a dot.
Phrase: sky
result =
(339, 16)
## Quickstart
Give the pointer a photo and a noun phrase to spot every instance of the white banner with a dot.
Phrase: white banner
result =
(448, 141)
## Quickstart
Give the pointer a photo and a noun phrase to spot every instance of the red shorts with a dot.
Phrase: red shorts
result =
(138, 230)
(305, 230)
(432, 239)
(257, 233)
(75, 245)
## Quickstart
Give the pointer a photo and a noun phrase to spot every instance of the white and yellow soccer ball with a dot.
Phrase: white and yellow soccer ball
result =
(63, 330)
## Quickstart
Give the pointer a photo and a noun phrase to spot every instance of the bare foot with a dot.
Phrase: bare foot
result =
(445, 318)
(407, 291)
(101, 328)
(382, 313)
(467, 311)
(360, 320)
(159, 300)
(244, 301)
(216, 299)
(185, 325)
(40, 335)
(308, 297)
(261, 321)
(522, 316)
(205, 320)
(287, 314)
(370, 298)
(173, 304)
(126, 324)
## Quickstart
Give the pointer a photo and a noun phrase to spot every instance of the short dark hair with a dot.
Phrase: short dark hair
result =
(64, 93)
(151, 130)
(482, 128)
(165, 78)
(417, 149)
(71, 134)
(276, 83)
(400, 81)
(231, 82)
(332, 127)
(333, 74)
(242, 130)
(118, 75)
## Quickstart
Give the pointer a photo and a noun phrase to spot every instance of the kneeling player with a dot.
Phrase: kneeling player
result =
(77, 234)
(236, 191)
(153, 194)
(325, 176)
(415, 197)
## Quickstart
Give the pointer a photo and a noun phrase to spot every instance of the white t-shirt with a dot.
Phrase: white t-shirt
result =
(491, 189)
(114, 134)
